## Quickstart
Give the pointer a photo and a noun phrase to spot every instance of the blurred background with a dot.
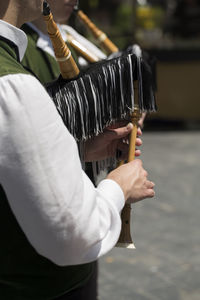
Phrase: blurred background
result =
(165, 230)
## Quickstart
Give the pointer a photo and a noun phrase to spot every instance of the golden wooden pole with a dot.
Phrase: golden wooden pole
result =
(102, 38)
(125, 239)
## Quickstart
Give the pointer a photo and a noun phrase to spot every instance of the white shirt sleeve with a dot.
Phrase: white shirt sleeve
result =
(62, 214)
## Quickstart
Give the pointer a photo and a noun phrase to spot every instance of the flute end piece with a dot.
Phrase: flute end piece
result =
(46, 8)
(125, 245)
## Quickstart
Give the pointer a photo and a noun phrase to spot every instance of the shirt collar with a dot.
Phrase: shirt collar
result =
(44, 41)
(15, 35)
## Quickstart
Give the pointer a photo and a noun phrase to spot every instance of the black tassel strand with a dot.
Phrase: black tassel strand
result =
(103, 94)
(97, 97)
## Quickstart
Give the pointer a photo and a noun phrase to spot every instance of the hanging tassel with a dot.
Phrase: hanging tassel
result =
(146, 76)
(146, 81)
(97, 97)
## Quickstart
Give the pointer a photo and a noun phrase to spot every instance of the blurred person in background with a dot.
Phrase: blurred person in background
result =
(39, 56)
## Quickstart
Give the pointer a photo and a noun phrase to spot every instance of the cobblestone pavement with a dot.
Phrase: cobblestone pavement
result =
(165, 230)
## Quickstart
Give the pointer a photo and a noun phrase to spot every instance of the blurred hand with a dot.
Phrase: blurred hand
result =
(141, 120)
(111, 140)
(133, 181)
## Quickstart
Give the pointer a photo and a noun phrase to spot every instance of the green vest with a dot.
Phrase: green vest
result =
(42, 64)
(24, 274)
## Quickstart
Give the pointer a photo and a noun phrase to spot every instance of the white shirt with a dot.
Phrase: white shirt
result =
(64, 217)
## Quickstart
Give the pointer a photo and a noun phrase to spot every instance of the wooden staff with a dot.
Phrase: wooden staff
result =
(102, 38)
(68, 67)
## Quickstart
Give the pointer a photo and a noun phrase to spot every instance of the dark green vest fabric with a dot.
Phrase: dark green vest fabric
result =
(24, 274)
(44, 66)
(9, 59)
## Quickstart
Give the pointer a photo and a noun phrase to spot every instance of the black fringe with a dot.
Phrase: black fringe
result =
(146, 75)
(102, 94)
(98, 96)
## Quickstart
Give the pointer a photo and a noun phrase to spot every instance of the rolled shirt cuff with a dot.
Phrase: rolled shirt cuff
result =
(113, 193)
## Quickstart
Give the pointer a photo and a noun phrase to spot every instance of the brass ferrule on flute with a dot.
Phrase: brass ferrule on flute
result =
(102, 38)
(68, 67)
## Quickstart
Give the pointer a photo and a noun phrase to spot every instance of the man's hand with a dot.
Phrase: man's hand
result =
(132, 179)
(112, 139)
(141, 120)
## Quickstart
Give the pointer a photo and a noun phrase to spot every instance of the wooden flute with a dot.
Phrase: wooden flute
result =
(102, 38)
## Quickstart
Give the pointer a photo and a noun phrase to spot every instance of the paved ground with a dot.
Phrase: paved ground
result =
(165, 230)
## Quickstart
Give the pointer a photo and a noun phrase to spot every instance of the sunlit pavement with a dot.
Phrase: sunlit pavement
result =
(165, 230)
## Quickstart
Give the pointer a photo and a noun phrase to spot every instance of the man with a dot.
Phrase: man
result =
(39, 58)
(53, 220)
